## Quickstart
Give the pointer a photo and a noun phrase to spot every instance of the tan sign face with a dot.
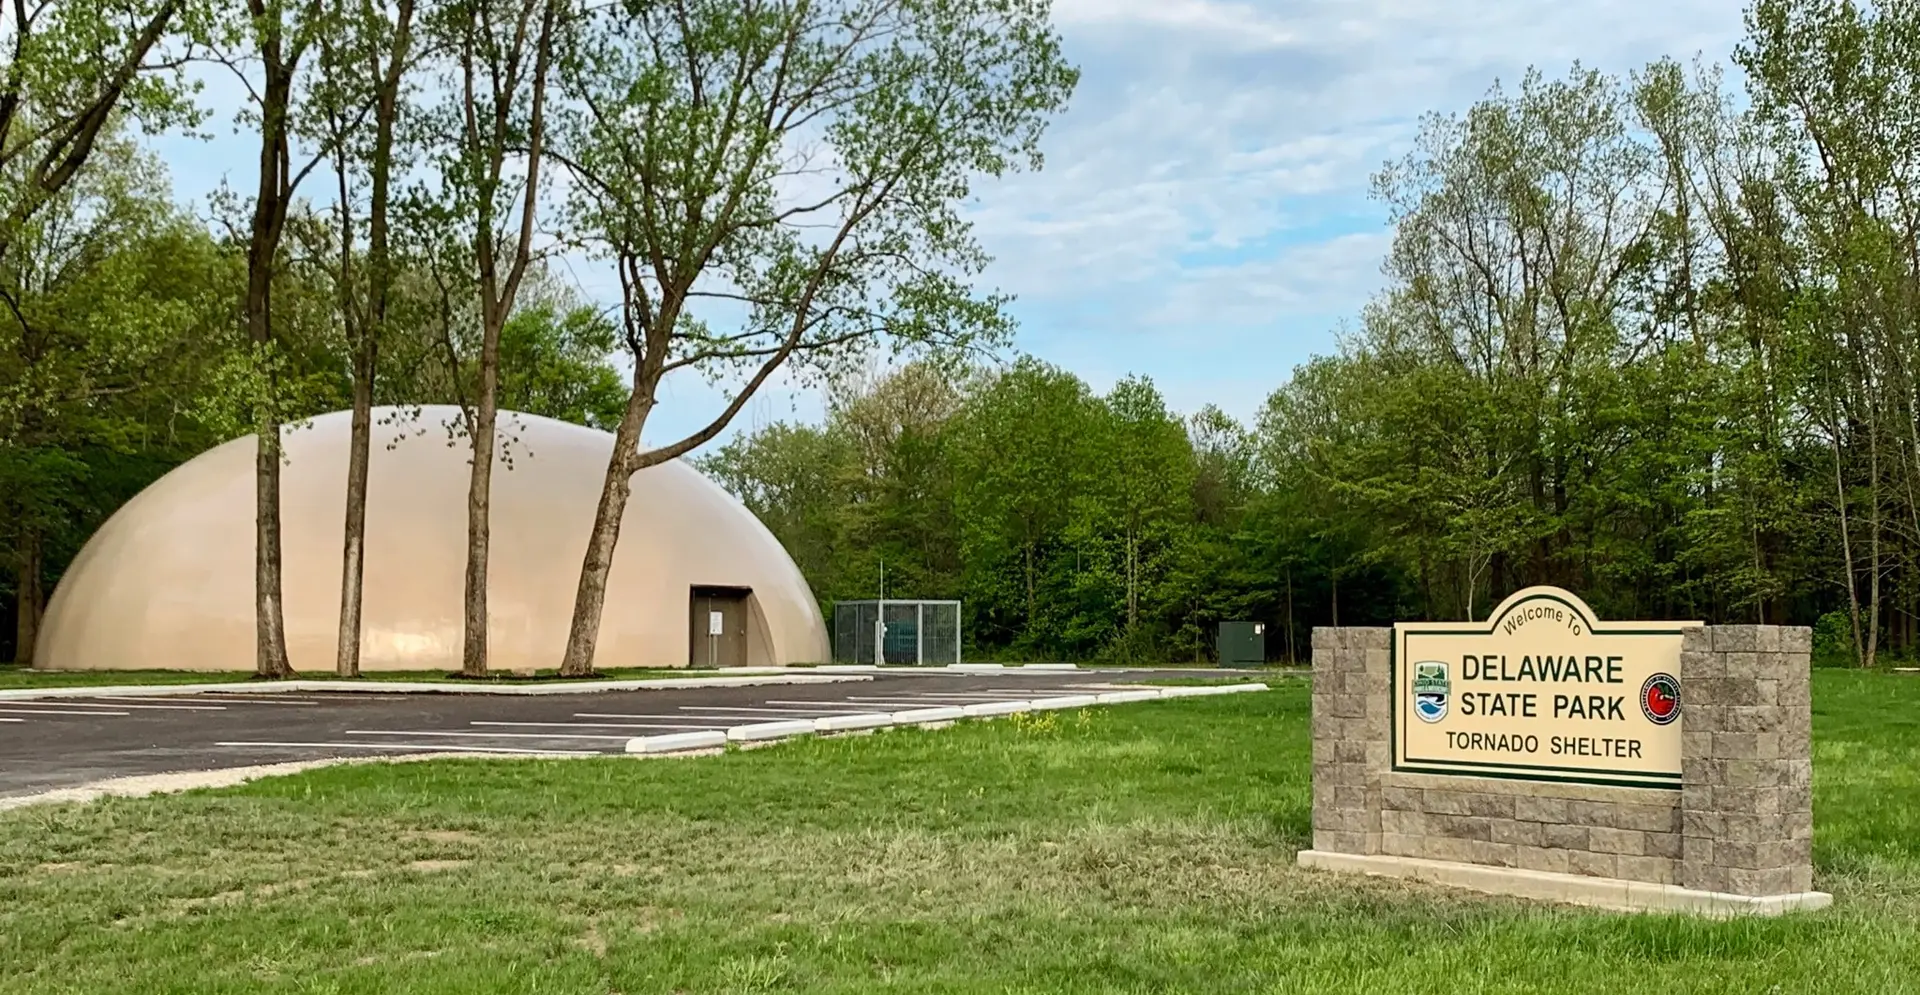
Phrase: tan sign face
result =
(1541, 691)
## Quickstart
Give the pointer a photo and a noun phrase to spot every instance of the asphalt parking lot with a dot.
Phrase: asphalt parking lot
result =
(68, 742)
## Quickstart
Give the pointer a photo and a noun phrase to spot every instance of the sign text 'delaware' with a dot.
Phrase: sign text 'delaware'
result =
(1541, 690)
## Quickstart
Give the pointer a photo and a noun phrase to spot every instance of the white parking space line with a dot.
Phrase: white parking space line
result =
(56, 711)
(855, 706)
(124, 704)
(482, 735)
(829, 707)
(667, 717)
(13, 720)
(276, 700)
(185, 701)
(728, 714)
(597, 725)
(869, 703)
(411, 747)
(941, 700)
(1022, 696)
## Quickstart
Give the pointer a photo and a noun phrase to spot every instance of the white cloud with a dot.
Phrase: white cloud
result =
(1207, 187)
(1315, 278)
(1209, 183)
(1236, 23)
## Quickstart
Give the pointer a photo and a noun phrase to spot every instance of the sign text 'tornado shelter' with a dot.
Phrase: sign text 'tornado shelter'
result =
(1542, 691)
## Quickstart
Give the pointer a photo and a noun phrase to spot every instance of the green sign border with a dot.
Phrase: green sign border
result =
(1515, 772)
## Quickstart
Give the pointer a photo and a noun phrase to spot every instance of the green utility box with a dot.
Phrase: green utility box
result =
(1243, 644)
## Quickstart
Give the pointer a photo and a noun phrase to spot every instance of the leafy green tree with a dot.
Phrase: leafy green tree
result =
(496, 69)
(73, 72)
(1132, 515)
(696, 134)
(110, 291)
(554, 362)
(1021, 450)
(365, 53)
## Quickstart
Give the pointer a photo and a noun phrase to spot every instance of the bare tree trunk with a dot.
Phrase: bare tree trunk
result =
(359, 443)
(1873, 543)
(270, 653)
(1473, 584)
(590, 597)
(497, 292)
(1846, 547)
(1291, 659)
(31, 599)
(367, 350)
(270, 656)
(1133, 580)
(354, 553)
(271, 200)
(1030, 598)
(473, 657)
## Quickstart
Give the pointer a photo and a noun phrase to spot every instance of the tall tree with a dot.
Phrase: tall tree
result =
(1145, 494)
(1021, 453)
(697, 132)
(500, 64)
(366, 49)
(276, 35)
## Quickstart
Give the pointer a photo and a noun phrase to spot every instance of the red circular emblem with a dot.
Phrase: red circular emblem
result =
(1660, 699)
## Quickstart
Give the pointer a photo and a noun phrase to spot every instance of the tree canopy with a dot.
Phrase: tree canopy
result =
(1637, 337)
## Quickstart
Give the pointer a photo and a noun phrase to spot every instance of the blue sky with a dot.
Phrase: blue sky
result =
(1203, 216)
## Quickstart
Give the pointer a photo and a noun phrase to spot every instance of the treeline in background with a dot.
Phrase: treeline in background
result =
(1652, 338)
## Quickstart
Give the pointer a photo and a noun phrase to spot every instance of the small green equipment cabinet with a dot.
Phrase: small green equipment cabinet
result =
(1243, 644)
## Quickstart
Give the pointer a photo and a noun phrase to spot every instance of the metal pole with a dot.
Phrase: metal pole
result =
(880, 620)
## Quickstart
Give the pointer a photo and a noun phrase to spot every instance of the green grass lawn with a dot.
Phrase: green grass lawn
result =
(1144, 848)
(15, 677)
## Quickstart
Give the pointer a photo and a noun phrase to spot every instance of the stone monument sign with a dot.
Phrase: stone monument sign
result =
(1550, 754)
(1542, 691)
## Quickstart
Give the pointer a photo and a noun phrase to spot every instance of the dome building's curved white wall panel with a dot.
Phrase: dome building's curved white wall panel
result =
(168, 581)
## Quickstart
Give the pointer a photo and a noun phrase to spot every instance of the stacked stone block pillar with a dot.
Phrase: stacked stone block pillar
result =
(1746, 778)
(1741, 823)
(1350, 757)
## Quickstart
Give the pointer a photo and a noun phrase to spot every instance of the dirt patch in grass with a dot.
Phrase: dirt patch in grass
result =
(433, 866)
(449, 836)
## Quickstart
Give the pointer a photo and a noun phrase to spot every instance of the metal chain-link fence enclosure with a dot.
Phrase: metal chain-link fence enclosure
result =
(917, 632)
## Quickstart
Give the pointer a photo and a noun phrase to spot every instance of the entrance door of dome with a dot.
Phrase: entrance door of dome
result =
(718, 621)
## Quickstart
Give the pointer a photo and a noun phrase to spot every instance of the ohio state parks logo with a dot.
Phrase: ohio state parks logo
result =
(1660, 699)
(1430, 690)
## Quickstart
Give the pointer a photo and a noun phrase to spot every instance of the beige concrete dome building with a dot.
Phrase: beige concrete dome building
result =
(168, 581)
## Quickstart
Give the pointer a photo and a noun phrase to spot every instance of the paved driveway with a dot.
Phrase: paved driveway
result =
(67, 742)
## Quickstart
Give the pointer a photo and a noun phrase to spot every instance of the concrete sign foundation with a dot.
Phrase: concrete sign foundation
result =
(1549, 754)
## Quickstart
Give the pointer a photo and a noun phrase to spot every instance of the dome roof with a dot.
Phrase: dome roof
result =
(167, 582)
